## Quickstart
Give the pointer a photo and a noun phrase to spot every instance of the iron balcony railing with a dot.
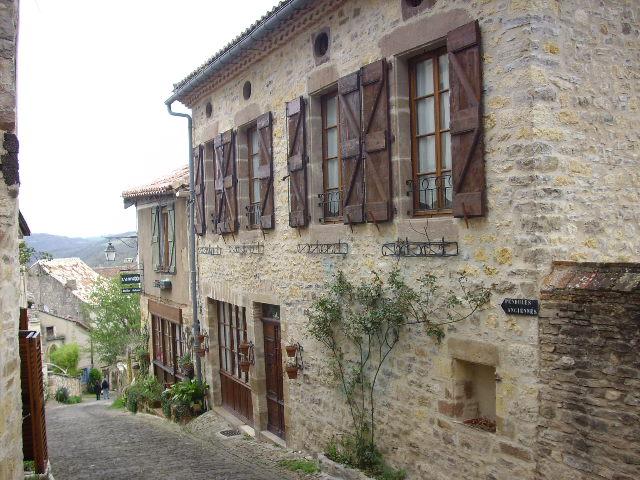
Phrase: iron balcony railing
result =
(331, 203)
(254, 213)
(435, 192)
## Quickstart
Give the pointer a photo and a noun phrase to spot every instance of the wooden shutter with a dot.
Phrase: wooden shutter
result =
(209, 184)
(171, 236)
(350, 148)
(376, 150)
(465, 80)
(297, 163)
(155, 238)
(265, 171)
(226, 182)
(199, 190)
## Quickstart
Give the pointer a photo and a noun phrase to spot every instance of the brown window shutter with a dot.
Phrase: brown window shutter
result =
(375, 141)
(297, 163)
(198, 159)
(467, 145)
(209, 184)
(265, 173)
(351, 148)
(226, 218)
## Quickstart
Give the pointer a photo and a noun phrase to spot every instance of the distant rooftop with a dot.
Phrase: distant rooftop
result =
(72, 273)
(172, 182)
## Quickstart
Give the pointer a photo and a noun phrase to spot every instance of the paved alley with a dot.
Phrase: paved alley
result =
(90, 441)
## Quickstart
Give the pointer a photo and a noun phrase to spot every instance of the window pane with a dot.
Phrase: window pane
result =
(426, 116)
(254, 142)
(427, 154)
(444, 111)
(332, 143)
(446, 150)
(331, 112)
(333, 174)
(424, 78)
(427, 192)
(448, 190)
(443, 63)
(256, 191)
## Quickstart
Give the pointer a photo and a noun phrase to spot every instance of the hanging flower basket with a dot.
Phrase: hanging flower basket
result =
(201, 339)
(201, 352)
(243, 348)
(291, 350)
(244, 365)
(292, 372)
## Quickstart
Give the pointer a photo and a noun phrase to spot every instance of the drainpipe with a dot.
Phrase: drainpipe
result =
(192, 238)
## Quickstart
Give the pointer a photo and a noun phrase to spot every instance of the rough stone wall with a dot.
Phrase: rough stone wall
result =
(51, 296)
(65, 331)
(10, 403)
(56, 381)
(540, 208)
(590, 374)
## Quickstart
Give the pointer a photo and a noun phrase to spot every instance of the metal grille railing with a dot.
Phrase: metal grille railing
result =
(254, 213)
(331, 203)
(435, 193)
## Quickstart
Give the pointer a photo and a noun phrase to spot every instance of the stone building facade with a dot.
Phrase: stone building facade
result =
(161, 208)
(10, 403)
(544, 99)
(60, 289)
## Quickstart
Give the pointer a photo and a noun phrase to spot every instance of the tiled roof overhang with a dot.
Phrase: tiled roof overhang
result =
(167, 185)
(285, 21)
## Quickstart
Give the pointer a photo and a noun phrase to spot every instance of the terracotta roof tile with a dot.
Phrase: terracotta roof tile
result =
(73, 272)
(169, 183)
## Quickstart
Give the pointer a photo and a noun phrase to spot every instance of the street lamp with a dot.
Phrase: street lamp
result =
(110, 252)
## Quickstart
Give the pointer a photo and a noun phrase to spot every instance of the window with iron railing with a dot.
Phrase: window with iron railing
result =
(430, 136)
(331, 197)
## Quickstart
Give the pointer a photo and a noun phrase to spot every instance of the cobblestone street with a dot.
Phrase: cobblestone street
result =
(90, 441)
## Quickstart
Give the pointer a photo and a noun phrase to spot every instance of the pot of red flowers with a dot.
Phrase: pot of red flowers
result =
(244, 347)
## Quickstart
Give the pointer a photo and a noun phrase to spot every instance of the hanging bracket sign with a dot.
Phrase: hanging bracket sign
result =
(520, 306)
(129, 278)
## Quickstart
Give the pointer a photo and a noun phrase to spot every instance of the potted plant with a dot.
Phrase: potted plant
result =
(291, 350)
(186, 365)
(292, 370)
(244, 365)
(244, 347)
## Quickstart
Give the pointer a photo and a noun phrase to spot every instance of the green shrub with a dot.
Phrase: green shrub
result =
(119, 402)
(62, 395)
(166, 403)
(366, 457)
(74, 399)
(29, 466)
(300, 464)
(151, 389)
(95, 376)
(187, 392)
(66, 357)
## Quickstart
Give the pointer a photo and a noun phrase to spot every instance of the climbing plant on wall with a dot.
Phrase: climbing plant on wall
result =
(361, 325)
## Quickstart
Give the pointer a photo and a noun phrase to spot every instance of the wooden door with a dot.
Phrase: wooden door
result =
(234, 384)
(273, 369)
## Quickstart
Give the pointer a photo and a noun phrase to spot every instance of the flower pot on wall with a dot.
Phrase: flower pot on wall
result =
(243, 348)
(292, 372)
(244, 365)
(291, 350)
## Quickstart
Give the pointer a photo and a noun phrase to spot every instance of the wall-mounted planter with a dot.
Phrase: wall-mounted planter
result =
(244, 365)
(291, 350)
(292, 372)
(243, 348)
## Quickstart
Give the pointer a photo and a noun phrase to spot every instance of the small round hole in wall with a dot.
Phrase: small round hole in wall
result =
(414, 3)
(208, 110)
(246, 90)
(321, 44)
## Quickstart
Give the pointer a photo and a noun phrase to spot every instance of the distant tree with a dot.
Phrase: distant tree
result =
(66, 358)
(115, 327)
(28, 253)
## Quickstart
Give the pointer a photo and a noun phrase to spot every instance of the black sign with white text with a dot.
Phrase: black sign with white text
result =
(131, 290)
(520, 306)
(129, 278)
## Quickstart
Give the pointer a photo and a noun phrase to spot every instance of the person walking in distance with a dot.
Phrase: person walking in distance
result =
(96, 387)
(105, 389)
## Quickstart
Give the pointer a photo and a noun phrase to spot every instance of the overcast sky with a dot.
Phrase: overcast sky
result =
(93, 76)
